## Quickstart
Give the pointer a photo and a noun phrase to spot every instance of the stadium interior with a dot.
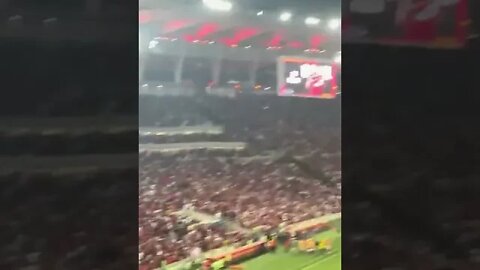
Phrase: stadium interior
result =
(225, 163)
(227, 166)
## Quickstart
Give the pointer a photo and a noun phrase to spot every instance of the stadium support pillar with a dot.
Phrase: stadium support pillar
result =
(216, 70)
(179, 69)
(252, 72)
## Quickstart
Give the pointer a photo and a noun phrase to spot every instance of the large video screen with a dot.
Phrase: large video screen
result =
(307, 77)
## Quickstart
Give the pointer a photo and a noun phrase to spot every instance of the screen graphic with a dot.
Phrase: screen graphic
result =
(303, 77)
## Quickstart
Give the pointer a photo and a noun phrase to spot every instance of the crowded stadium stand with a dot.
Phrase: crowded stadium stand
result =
(252, 179)
(222, 172)
(225, 161)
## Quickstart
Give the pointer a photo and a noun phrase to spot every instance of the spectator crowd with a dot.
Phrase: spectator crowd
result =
(262, 189)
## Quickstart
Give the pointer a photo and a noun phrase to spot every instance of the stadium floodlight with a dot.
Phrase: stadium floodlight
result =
(285, 16)
(218, 5)
(312, 21)
(334, 24)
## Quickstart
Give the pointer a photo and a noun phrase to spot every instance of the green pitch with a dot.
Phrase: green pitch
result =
(295, 260)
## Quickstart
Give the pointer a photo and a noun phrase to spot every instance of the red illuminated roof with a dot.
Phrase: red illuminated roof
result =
(235, 31)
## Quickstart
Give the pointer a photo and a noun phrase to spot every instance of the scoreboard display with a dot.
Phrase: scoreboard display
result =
(307, 77)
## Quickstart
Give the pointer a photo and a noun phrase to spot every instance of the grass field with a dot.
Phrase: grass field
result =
(294, 260)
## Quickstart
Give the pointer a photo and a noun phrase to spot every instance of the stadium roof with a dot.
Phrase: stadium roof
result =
(273, 25)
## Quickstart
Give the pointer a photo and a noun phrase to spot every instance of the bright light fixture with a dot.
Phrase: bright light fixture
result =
(219, 5)
(285, 16)
(312, 21)
(334, 24)
(260, 13)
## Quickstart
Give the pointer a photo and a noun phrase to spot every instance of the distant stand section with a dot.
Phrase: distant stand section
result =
(179, 147)
(182, 130)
